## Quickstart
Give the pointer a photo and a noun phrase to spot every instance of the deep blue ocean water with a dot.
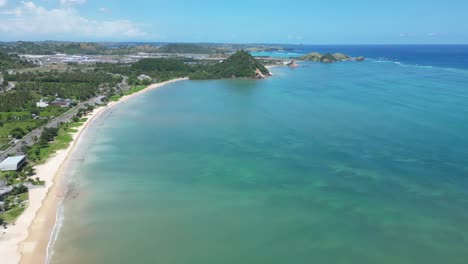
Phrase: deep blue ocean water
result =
(353, 162)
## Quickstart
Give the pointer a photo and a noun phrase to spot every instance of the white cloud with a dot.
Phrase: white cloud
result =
(432, 34)
(3, 3)
(72, 2)
(105, 10)
(29, 19)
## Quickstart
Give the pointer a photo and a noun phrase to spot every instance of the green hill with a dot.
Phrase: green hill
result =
(79, 48)
(22, 47)
(239, 65)
(50, 47)
(186, 48)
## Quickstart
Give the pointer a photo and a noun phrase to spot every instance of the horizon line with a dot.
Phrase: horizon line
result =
(239, 43)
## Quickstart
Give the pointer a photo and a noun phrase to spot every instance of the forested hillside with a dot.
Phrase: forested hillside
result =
(12, 62)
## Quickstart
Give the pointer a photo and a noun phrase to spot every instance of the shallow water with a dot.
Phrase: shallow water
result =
(344, 163)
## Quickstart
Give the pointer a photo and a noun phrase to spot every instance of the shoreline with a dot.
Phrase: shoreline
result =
(29, 239)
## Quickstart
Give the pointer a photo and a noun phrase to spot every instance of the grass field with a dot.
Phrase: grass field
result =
(62, 141)
(25, 121)
(11, 215)
(132, 90)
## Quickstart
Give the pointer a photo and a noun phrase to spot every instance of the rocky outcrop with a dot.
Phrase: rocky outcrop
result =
(329, 58)
(292, 64)
(340, 56)
(314, 56)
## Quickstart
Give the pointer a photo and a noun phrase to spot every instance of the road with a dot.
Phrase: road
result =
(31, 138)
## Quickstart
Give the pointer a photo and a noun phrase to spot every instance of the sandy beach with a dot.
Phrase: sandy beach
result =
(28, 239)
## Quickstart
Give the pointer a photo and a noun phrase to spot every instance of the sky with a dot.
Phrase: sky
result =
(238, 21)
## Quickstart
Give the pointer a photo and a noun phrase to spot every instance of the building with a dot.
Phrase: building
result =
(61, 102)
(13, 163)
(42, 104)
(144, 77)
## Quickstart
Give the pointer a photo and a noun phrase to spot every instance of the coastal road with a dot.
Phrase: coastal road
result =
(31, 138)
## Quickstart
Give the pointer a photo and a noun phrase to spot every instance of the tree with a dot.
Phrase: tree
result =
(17, 133)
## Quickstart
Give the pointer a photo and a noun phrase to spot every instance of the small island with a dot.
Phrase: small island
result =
(329, 58)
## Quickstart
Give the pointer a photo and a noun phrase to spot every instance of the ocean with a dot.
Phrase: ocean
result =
(352, 162)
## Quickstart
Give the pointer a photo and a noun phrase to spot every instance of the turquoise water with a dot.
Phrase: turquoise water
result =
(344, 163)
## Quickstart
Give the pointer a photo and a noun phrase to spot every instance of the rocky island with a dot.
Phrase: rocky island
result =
(329, 58)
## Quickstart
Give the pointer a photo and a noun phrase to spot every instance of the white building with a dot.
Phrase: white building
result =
(144, 77)
(42, 104)
(13, 163)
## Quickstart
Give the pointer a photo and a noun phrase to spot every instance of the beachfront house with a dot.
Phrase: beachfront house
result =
(13, 163)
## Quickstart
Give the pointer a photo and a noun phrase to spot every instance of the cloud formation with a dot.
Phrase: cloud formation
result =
(72, 2)
(3, 3)
(30, 19)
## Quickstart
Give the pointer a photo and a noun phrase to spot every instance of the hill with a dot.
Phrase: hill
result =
(51, 47)
(22, 47)
(186, 48)
(239, 65)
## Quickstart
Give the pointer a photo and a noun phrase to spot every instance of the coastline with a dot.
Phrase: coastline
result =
(27, 241)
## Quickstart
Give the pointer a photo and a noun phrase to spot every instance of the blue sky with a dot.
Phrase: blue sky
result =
(238, 21)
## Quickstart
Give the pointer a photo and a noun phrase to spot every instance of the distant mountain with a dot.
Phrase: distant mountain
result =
(49, 47)
(186, 48)
(22, 47)
(125, 48)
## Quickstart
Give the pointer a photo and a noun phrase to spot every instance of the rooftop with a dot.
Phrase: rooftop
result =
(12, 161)
(5, 190)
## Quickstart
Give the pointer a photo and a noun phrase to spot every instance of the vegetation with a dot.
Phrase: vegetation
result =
(54, 139)
(32, 86)
(23, 47)
(87, 48)
(239, 65)
(186, 48)
(328, 58)
(159, 70)
(18, 111)
(130, 91)
(14, 204)
(49, 48)
(12, 62)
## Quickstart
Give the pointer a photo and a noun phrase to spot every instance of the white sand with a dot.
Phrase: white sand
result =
(26, 241)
